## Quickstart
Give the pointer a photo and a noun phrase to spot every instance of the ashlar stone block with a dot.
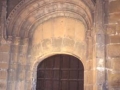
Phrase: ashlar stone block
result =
(116, 64)
(113, 50)
(114, 79)
(114, 6)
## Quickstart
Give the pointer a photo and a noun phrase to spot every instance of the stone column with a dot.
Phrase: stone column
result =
(89, 62)
(13, 63)
(29, 71)
(100, 46)
(22, 65)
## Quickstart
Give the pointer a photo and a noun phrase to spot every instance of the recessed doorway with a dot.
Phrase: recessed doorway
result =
(60, 72)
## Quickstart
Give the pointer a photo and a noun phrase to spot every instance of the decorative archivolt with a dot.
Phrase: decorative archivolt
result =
(22, 19)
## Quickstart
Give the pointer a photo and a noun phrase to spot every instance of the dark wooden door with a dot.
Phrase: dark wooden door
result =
(60, 72)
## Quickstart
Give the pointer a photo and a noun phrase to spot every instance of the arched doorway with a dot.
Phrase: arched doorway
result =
(60, 72)
(46, 28)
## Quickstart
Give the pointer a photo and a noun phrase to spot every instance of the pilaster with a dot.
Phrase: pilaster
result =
(100, 46)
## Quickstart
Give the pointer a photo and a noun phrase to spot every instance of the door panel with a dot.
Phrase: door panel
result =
(60, 72)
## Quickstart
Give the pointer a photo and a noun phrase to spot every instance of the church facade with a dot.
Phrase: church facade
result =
(59, 44)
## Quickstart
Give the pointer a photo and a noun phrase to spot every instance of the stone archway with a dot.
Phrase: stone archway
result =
(50, 40)
(44, 29)
(41, 59)
(58, 35)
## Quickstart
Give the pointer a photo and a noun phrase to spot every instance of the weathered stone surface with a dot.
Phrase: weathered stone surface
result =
(100, 39)
(79, 49)
(114, 79)
(21, 72)
(116, 64)
(3, 65)
(36, 50)
(15, 49)
(114, 6)
(38, 35)
(111, 29)
(68, 45)
(114, 39)
(57, 43)
(13, 66)
(99, 51)
(12, 75)
(61, 23)
(118, 27)
(47, 45)
(3, 85)
(108, 64)
(3, 74)
(89, 65)
(80, 31)
(89, 87)
(4, 57)
(20, 85)
(70, 28)
(14, 58)
(29, 76)
(4, 48)
(47, 29)
(11, 85)
(22, 59)
(113, 18)
(62, 34)
(87, 77)
(113, 50)
(28, 85)
(101, 75)
(107, 39)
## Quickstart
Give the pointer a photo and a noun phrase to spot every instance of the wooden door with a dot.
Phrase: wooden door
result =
(60, 72)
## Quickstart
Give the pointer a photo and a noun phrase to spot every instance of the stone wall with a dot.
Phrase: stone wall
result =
(113, 45)
(4, 61)
(50, 27)
(15, 55)
(4, 49)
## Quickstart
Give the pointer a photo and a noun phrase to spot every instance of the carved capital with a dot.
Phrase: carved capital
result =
(9, 39)
(24, 46)
(16, 40)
